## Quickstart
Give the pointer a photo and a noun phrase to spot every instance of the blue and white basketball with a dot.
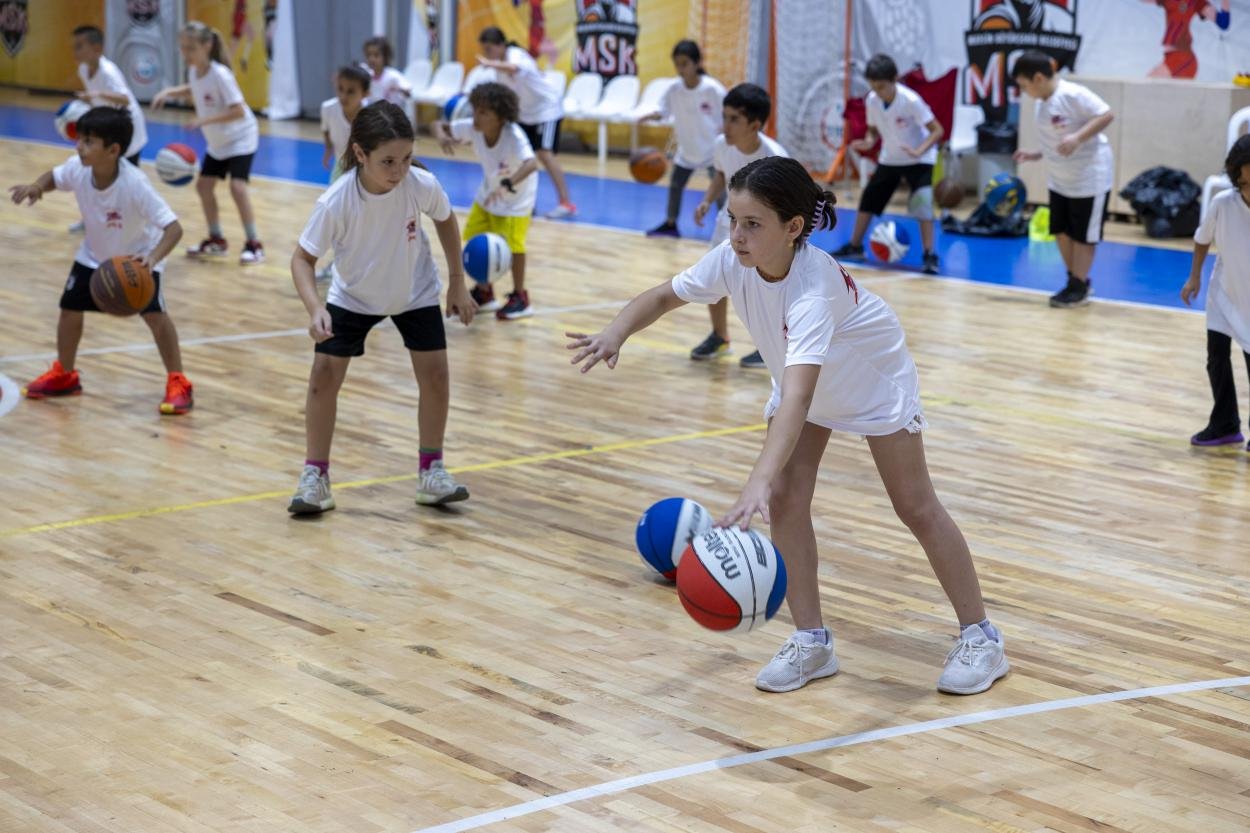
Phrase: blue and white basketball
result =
(1005, 194)
(666, 529)
(457, 107)
(67, 117)
(889, 241)
(487, 257)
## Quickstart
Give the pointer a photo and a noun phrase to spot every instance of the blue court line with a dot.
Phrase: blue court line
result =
(1140, 274)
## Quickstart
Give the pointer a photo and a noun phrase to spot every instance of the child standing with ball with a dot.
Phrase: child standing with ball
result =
(122, 215)
(505, 199)
(383, 268)
(838, 360)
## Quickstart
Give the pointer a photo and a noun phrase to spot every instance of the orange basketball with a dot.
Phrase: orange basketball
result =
(647, 165)
(948, 193)
(122, 286)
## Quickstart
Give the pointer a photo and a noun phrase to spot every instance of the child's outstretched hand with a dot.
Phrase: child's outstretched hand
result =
(754, 499)
(30, 192)
(158, 100)
(319, 326)
(593, 349)
(700, 211)
(459, 302)
(1190, 290)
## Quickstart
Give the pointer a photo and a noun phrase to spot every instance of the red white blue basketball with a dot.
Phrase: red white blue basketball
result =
(666, 529)
(67, 117)
(487, 257)
(457, 107)
(889, 241)
(175, 164)
(730, 580)
(1005, 194)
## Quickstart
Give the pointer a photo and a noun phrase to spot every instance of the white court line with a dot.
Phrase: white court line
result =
(9, 394)
(625, 784)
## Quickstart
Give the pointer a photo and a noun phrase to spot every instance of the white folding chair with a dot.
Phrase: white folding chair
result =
(445, 83)
(1238, 124)
(963, 139)
(583, 94)
(620, 97)
(648, 103)
(557, 80)
(478, 75)
(418, 74)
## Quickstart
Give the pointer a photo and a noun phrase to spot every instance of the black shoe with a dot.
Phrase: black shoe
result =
(752, 360)
(712, 347)
(664, 229)
(930, 266)
(849, 250)
(1075, 294)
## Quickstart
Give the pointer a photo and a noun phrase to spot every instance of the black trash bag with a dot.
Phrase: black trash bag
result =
(1166, 201)
(996, 137)
(985, 222)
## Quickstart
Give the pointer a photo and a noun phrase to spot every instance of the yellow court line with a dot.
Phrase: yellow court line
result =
(608, 448)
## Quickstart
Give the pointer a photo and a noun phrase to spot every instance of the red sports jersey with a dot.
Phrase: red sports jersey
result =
(1179, 13)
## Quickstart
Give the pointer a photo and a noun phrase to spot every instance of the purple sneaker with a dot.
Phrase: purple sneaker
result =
(664, 230)
(1208, 437)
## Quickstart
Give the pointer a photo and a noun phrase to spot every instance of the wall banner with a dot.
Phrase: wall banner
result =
(607, 37)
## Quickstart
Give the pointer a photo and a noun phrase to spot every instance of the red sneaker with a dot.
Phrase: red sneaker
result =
(209, 247)
(177, 395)
(56, 382)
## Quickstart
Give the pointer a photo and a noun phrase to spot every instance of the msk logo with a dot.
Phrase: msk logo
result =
(412, 229)
(113, 219)
(719, 549)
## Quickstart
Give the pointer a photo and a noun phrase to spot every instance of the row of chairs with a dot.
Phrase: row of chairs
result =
(586, 97)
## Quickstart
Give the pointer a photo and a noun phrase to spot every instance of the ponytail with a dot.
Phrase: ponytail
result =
(379, 122)
(494, 35)
(786, 187)
(203, 33)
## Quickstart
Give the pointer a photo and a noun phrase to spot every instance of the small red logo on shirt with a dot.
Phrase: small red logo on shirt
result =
(1058, 120)
(412, 229)
(850, 282)
(705, 107)
(113, 219)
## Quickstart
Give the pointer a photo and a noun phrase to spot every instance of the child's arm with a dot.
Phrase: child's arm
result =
(181, 91)
(1192, 286)
(115, 99)
(508, 184)
(638, 314)
(797, 388)
(35, 190)
(935, 135)
(302, 272)
(1027, 155)
(502, 66)
(865, 144)
(442, 135)
(1096, 125)
(172, 233)
(714, 190)
(459, 302)
(236, 111)
(328, 155)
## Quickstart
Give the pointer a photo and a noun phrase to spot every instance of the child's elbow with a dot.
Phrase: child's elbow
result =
(174, 230)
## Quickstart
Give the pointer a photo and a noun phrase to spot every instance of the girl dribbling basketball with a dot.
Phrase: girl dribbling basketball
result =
(839, 362)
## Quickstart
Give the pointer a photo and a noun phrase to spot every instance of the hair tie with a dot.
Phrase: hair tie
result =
(818, 215)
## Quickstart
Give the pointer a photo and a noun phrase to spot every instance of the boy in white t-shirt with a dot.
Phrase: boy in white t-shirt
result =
(505, 199)
(383, 268)
(351, 88)
(909, 138)
(839, 362)
(694, 102)
(1080, 166)
(744, 112)
(231, 132)
(1227, 226)
(123, 215)
(386, 83)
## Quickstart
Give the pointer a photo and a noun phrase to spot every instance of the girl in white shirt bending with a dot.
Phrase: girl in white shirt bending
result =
(371, 217)
(229, 130)
(387, 83)
(839, 362)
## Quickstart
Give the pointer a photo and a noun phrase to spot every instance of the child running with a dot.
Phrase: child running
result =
(230, 131)
(123, 215)
(839, 362)
(505, 199)
(371, 217)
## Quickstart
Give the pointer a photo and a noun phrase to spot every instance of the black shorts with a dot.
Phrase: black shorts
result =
(885, 180)
(239, 167)
(422, 330)
(544, 135)
(77, 294)
(1081, 218)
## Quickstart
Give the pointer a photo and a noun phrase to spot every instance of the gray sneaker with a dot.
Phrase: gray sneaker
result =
(800, 660)
(439, 487)
(312, 496)
(973, 664)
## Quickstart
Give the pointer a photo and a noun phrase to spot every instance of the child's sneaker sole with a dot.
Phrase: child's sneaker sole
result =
(997, 674)
(460, 494)
(300, 507)
(827, 670)
(36, 395)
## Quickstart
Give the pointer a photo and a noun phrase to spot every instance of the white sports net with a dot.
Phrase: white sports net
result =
(808, 98)
(718, 26)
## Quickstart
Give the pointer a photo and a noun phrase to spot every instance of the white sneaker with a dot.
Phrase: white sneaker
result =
(439, 487)
(973, 664)
(562, 211)
(800, 660)
(253, 252)
(77, 228)
(312, 496)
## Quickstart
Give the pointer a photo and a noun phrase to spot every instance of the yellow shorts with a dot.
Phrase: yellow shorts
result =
(511, 229)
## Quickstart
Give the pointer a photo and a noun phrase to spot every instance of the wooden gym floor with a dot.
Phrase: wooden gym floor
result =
(180, 655)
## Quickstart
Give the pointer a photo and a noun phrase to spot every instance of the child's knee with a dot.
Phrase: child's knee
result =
(238, 188)
(205, 185)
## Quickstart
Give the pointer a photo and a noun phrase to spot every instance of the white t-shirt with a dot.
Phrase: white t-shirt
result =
(389, 86)
(126, 218)
(540, 102)
(336, 124)
(729, 160)
(382, 259)
(509, 153)
(817, 315)
(901, 123)
(1090, 170)
(1227, 225)
(697, 118)
(108, 78)
(214, 94)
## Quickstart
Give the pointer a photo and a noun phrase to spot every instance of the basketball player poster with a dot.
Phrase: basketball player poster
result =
(607, 37)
